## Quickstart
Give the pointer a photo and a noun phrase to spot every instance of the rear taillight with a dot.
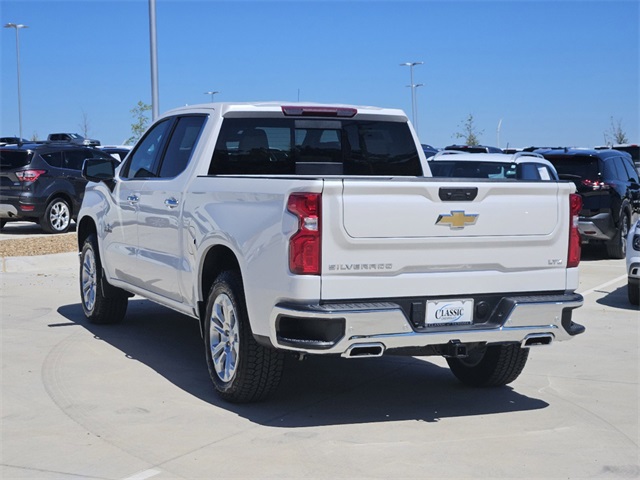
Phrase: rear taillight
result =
(29, 175)
(305, 245)
(595, 184)
(575, 205)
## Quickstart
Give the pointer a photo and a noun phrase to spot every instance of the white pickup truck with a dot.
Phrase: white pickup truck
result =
(315, 229)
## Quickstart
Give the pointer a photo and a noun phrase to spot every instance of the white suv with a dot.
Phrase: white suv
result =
(520, 165)
(633, 264)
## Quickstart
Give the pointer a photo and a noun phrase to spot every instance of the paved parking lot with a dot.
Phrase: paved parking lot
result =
(133, 401)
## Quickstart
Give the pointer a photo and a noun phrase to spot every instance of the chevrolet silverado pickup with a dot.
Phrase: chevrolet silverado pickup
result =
(318, 230)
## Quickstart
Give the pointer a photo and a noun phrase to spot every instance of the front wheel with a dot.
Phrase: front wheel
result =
(57, 217)
(490, 366)
(98, 307)
(241, 370)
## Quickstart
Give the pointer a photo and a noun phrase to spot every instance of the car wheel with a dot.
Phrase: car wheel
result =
(98, 307)
(241, 370)
(490, 366)
(617, 247)
(633, 292)
(57, 217)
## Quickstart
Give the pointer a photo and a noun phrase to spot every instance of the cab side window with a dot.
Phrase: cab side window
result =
(143, 162)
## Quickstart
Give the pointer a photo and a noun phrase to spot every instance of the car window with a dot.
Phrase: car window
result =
(632, 173)
(53, 158)
(73, 159)
(576, 167)
(313, 146)
(183, 139)
(12, 159)
(145, 157)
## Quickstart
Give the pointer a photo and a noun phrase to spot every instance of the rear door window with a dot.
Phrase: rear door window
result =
(73, 159)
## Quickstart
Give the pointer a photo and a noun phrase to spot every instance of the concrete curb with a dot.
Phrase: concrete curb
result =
(56, 262)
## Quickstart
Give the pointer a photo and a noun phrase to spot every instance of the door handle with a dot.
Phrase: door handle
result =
(171, 202)
(133, 199)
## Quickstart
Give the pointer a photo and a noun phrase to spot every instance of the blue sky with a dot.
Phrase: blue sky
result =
(554, 72)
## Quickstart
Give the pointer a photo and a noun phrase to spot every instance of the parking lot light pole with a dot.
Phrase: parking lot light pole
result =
(18, 26)
(154, 60)
(413, 87)
(212, 94)
(415, 122)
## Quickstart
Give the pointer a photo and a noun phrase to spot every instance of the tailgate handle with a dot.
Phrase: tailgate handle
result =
(458, 194)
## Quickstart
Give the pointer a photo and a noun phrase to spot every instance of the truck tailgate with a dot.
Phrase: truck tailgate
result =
(504, 236)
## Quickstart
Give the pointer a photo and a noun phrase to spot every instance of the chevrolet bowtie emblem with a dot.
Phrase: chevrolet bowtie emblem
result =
(457, 220)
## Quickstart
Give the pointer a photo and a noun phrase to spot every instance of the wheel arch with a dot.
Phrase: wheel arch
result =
(85, 227)
(217, 259)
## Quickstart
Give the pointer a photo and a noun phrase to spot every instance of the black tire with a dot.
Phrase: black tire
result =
(490, 366)
(97, 307)
(2, 224)
(241, 370)
(57, 217)
(633, 292)
(617, 247)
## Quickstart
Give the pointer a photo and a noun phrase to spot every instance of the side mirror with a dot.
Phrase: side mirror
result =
(99, 169)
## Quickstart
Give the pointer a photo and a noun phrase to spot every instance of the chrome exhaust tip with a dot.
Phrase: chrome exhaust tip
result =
(537, 340)
(364, 350)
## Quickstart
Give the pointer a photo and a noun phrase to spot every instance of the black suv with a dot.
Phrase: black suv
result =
(608, 183)
(42, 182)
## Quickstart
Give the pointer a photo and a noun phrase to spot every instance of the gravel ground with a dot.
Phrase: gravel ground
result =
(39, 245)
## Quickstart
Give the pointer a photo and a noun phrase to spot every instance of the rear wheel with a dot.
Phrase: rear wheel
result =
(57, 217)
(241, 370)
(97, 307)
(490, 366)
(617, 247)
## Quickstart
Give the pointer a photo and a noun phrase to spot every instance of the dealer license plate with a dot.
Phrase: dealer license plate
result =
(449, 312)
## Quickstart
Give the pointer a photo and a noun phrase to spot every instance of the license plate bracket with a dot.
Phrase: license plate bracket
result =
(449, 312)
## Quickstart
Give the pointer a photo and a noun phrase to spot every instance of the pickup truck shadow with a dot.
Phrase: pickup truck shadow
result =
(314, 392)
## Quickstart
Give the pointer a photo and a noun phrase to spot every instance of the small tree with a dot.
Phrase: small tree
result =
(141, 121)
(469, 132)
(615, 134)
(34, 137)
(84, 124)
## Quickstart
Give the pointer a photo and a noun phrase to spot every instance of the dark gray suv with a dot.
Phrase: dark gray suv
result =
(42, 183)
(609, 186)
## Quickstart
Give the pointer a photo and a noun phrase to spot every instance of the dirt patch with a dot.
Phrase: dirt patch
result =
(41, 245)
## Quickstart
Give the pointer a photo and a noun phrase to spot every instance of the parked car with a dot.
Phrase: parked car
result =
(119, 152)
(522, 166)
(608, 183)
(429, 151)
(474, 148)
(12, 140)
(72, 138)
(42, 183)
(633, 265)
(631, 149)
